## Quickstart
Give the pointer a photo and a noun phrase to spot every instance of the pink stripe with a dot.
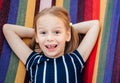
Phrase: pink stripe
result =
(45, 4)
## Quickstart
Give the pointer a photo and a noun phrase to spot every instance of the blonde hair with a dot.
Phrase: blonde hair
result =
(61, 13)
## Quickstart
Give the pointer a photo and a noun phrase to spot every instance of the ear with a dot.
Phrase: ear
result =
(68, 36)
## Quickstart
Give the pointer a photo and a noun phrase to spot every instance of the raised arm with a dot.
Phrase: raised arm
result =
(14, 35)
(91, 31)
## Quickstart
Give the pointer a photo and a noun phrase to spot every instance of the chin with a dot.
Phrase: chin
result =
(50, 55)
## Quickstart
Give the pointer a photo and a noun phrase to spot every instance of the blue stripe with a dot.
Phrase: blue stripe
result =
(40, 73)
(61, 69)
(50, 72)
(73, 10)
(6, 52)
(112, 42)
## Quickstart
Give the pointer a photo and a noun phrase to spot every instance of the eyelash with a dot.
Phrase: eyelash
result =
(55, 32)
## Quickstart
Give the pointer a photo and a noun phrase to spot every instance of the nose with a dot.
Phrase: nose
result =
(50, 37)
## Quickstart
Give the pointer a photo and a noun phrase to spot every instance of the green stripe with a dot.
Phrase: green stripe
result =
(66, 4)
(11, 74)
(104, 41)
(22, 12)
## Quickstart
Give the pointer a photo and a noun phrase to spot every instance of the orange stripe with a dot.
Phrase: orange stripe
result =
(28, 23)
(102, 15)
(59, 3)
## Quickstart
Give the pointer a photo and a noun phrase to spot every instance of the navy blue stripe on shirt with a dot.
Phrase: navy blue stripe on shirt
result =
(61, 71)
(49, 72)
(40, 73)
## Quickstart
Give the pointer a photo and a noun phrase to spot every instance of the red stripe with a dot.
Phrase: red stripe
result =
(88, 10)
(92, 13)
(87, 16)
(96, 9)
(0, 4)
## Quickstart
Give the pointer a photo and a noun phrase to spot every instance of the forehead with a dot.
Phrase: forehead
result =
(49, 20)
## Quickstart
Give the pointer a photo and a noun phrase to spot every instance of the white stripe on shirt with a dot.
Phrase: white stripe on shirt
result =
(55, 69)
(37, 69)
(79, 61)
(74, 69)
(44, 73)
(31, 67)
(29, 61)
(66, 69)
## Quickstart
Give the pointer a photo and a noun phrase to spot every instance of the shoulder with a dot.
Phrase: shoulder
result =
(76, 56)
(32, 59)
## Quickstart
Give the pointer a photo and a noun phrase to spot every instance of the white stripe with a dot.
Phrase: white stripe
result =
(45, 4)
(37, 69)
(67, 76)
(36, 73)
(31, 67)
(29, 61)
(44, 73)
(79, 60)
(55, 68)
(74, 69)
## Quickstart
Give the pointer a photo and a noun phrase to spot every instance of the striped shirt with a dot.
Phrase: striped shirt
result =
(64, 69)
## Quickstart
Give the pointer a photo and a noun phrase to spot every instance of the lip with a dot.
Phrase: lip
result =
(51, 47)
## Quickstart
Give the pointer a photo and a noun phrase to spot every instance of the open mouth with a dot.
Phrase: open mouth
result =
(53, 46)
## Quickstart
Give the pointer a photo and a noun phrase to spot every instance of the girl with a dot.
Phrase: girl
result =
(60, 58)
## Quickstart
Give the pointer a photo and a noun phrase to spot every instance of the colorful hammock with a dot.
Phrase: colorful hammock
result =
(103, 63)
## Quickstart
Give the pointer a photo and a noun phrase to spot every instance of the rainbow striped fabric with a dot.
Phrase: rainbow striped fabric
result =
(103, 63)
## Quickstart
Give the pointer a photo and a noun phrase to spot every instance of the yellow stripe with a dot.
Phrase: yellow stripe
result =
(28, 23)
(59, 3)
(30, 13)
(102, 15)
(20, 76)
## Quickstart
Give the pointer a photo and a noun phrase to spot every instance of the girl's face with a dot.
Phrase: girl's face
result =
(52, 35)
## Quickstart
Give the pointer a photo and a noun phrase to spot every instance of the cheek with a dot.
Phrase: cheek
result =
(61, 40)
(39, 40)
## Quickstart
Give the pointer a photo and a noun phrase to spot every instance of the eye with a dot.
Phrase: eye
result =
(43, 32)
(57, 32)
